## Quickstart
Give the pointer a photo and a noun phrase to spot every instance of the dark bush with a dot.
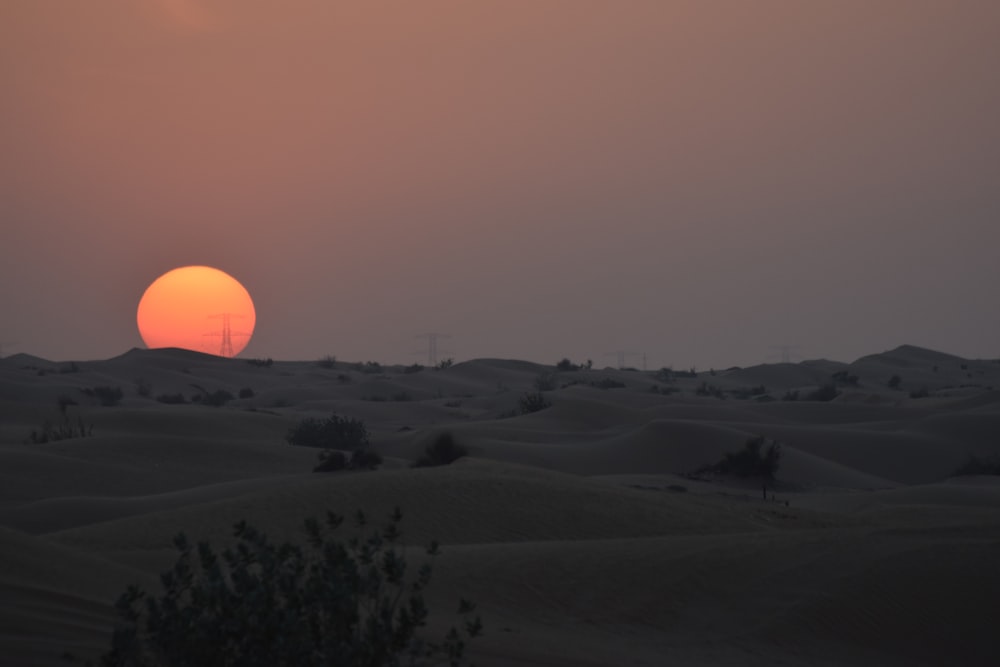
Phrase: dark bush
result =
(827, 392)
(143, 388)
(334, 432)
(705, 389)
(546, 382)
(843, 377)
(751, 461)
(364, 458)
(413, 368)
(608, 383)
(401, 397)
(894, 382)
(327, 362)
(217, 398)
(172, 399)
(246, 392)
(443, 451)
(262, 363)
(791, 395)
(920, 393)
(533, 402)
(107, 396)
(260, 603)
(977, 466)
(444, 364)
(331, 460)
(64, 429)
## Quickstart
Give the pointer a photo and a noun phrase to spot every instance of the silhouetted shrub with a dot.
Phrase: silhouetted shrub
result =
(334, 432)
(364, 458)
(666, 391)
(413, 368)
(262, 363)
(143, 388)
(107, 396)
(401, 396)
(751, 461)
(171, 399)
(64, 429)
(217, 398)
(344, 378)
(977, 466)
(327, 362)
(749, 392)
(567, 365)
(331, 460)
(444, 364)
(545, 381)
(326, 602)
(705, 389)
(894, 382)
(608, 383)
(246, 392)
(665, 374)
(791, 395)
(443, 451)
(73, 367)
(827, 392)
(845, 378)
(64, 402)
(533, 401)
(920, 393)
(370, 367)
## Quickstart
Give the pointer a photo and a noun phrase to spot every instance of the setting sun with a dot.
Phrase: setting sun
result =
(197, 308)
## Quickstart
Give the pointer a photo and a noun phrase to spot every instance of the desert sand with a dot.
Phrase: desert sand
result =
(578, 530)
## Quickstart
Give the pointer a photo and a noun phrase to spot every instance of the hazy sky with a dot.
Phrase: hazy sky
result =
(694, 180)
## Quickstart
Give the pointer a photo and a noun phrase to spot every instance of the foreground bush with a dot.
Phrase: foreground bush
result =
(751, 461)
(533, 402)
(443, 451)
(978, 466)
(332, 460)
(334, 432)
(353, 603)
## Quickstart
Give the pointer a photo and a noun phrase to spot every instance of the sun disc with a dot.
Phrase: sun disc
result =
(197, 308)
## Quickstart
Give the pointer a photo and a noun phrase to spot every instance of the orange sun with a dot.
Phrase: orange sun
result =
(197, 308)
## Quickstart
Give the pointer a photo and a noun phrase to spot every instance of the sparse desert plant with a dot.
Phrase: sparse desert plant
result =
(143, 388)
(217, 398)
(845, 378)
(546, 381)
(705, 389)
(566, 365)
(328, 362)
(370, 367)
(334, 432)
(246, 392)
(751, 461)
(401, 396)
(64, 429)
(894, 382)
(172, 399)
(331, 460)
(63, 402)
(533, 401)
(923, 392)
(607, 383)
(665, 374)
(106, 396)
(262, 363)
(413, 368)
(827, 392)
(353, 602)
(343, 378)
(978, 466)
(791, 395)
(364, 458)
(443, 451)
(444, 364)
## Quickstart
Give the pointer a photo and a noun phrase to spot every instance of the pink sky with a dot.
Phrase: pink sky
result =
(694, 180)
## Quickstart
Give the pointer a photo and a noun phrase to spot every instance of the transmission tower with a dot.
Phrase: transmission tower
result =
(785, 353)
(226, 348)
(432, 346)
(623, 355)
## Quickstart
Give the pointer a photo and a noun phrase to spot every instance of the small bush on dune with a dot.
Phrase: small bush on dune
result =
(171, 399)
(751, 461)
(827, 392)
(977, 466)
(107, 396)
(363, 458)
(354, 603)
(533, 402)
(334, 432)
(217, 398)
(246, 392)
(443, 451)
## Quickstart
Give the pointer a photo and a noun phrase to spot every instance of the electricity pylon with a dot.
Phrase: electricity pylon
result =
(226, 348)
(432, 345)
(622, 356)
(785, 353)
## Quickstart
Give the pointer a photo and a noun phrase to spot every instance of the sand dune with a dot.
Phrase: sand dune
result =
(577, 529)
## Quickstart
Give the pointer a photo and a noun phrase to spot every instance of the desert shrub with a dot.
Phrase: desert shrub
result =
(371, 367)
(327, 362)
(73, 367)
(533, 401)
(143, 388)
(262, 363)
(364, 458)
(107, 396)
(545, 381)
(334, 432)
(978, 466)
(920, 393)
(566, 365)
(353, 602)
(172, 399)
(686, 374)
(443, 451)
(413, 368)
(444, 364)
(666, 391)
(749, 392)
(791, 395)
(64, 429)
(665, 374)
(217, 398)
(401, 396)
(331, 460)
(843, 377)
(608, 383)
(453, 404)
(705, 389)
(246, 392)
(751, 461)
(894, 382)
(343, 378)
(827, 392)
(63, 402)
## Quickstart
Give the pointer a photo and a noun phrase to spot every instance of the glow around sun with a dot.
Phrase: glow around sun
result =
(197, 308)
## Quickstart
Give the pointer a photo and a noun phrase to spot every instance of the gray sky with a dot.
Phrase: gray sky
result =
(694, 180)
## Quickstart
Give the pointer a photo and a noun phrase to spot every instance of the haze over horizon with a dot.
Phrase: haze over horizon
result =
(568, 178)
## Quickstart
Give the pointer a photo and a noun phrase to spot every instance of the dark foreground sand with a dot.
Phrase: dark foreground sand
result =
(575, 528)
